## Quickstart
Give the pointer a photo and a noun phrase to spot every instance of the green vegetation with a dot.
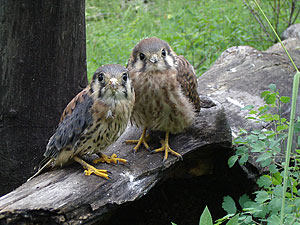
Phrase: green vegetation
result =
(199, 30)
(268, 144)
(265, 206)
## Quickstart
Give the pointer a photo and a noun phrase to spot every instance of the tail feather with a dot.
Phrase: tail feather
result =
(46, 162)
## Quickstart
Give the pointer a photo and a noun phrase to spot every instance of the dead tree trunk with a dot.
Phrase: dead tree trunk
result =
(42, 66)
(67, 196)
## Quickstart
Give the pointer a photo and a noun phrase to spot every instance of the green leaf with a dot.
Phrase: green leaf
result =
(271, 99)
(273, 220)
(266, 162)
(232, 160)
(263, 109)
(259, 146)
(243, 131)
(264, 181)
(272, 87)
(256, 132)
(248, 107)
(262, 136)
(229, 205)
(261, 196)
(283, 120)
(240, 150)
(173, 223)
(273, 168)
(282, 127)
(206, 218)
(243, 200)
(244, 159)
(277, 178)
(239, 140)
(266, 117)
(285, 99)
(224, 218)
(276, 117)
(264, 156)
(251, 118)
(264, 93)
(234, 220)
(252, 112)
(278, 190)
(275, 204)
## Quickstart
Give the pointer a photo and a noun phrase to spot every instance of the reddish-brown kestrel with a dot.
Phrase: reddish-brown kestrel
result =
(166, 91)
(93, 120)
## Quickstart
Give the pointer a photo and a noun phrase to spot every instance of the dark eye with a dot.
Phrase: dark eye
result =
(101, 77)
(163, 52)
(124, 77)
(142, 56)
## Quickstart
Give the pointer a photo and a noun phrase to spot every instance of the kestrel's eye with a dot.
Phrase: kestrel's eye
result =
(101, 77)
(142, 56)
(124, 77)
(163, 52)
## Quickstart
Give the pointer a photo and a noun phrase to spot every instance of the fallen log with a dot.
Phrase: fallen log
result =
(67, 196)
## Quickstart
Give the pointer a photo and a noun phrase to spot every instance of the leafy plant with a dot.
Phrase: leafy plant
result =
(268, 145)
(274, 203)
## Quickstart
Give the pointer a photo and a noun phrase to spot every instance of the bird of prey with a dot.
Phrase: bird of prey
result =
(94, 119)
(166, 91)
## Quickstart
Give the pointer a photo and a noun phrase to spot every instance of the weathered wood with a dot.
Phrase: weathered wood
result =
(241, 74)
(68, 196)
(42, 66)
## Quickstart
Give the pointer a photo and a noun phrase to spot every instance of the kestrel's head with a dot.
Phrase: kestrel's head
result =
(111, 83)
(152, 54)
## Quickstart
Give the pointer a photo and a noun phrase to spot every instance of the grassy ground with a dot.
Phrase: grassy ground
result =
(199, 30)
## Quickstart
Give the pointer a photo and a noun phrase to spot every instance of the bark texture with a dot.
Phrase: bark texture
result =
(42, 66)
(67, 196)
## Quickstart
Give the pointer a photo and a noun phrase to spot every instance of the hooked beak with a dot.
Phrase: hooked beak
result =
(154, 58)
(113, 83)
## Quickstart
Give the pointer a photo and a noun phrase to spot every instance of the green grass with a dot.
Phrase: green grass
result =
(199, 30)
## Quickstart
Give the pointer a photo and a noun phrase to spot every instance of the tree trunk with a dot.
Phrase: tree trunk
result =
(42, 66)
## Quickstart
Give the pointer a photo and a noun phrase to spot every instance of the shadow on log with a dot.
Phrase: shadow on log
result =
(68, 196)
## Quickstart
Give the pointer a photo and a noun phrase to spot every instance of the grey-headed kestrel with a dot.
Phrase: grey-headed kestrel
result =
(94, 119)
(166, 91)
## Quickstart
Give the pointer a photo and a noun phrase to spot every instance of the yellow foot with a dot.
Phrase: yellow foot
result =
(106, 159)
(166, 148)
(90, 169)
(101, 173)
(143, 140)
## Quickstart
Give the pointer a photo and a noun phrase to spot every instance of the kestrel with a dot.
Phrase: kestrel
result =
(94, 119)
(166, 91)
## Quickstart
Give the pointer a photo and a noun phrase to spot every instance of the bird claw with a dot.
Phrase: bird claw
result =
(142, 140)
(92, 170)
(166, 148)
(112, 159)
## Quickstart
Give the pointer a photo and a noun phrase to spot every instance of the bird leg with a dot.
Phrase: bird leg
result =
(166, 148)
(143, 139)
(90, 169)
(106, 159)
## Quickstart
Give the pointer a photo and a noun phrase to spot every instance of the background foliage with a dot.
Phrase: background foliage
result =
(199, 30)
